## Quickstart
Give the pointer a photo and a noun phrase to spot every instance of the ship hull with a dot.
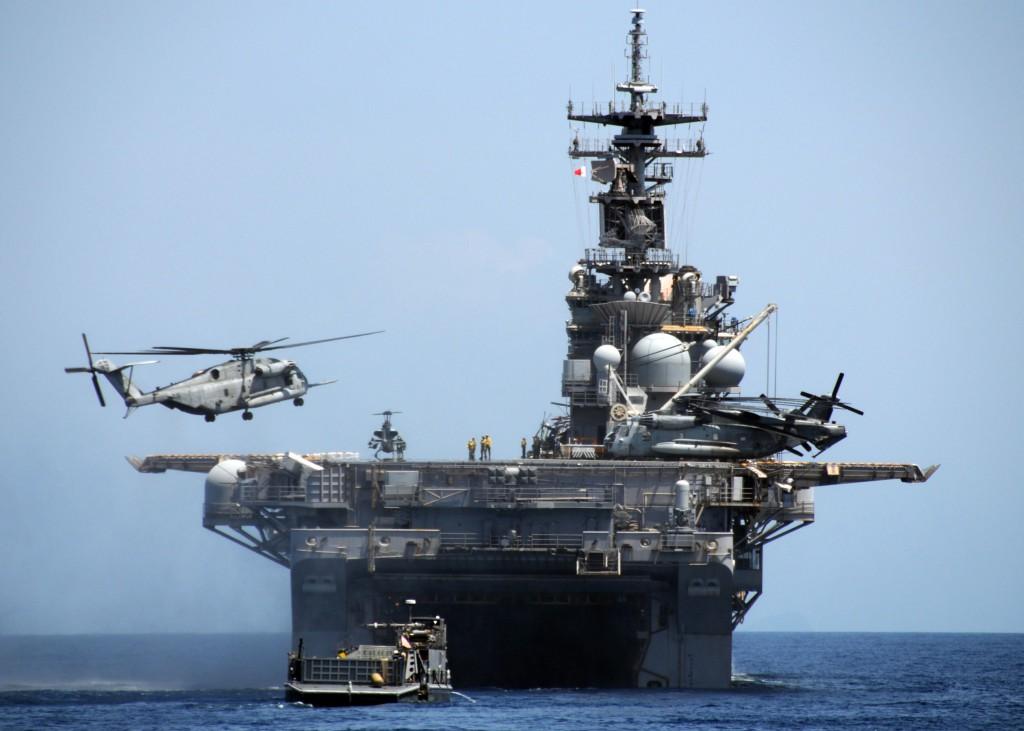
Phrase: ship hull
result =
(550, 573)
(527, 622)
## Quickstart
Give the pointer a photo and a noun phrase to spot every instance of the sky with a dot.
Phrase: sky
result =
(215, 174)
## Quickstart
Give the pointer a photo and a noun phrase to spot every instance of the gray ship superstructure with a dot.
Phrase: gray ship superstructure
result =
(630, 545)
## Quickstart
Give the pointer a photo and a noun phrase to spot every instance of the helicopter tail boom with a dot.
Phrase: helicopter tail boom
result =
(120, 377)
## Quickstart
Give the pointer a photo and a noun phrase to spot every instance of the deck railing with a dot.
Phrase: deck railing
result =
(534, 541)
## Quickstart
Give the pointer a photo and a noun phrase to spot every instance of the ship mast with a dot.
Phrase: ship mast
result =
(628, 162)
(618, 294)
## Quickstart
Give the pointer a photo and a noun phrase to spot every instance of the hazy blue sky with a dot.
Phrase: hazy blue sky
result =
(220, 173)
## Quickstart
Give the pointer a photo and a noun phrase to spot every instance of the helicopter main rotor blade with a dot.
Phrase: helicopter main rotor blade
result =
(162, 350)
(243, 352)
(193, 351)
(314, 342)
(262, 345)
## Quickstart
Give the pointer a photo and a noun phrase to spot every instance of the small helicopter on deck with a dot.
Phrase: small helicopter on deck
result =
(387, 440)
(243, 383)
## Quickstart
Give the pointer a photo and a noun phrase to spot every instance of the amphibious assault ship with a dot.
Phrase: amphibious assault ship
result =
(627, 547)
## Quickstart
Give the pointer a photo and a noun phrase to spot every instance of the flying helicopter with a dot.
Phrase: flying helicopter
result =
(241, 384)
(732, 428)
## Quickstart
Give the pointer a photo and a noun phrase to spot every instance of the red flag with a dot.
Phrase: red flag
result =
(581, 171)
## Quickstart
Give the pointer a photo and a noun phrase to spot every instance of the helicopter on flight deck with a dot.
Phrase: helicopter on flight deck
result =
(241, 384)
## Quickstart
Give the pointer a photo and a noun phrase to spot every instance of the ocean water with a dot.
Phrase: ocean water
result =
(781, 681)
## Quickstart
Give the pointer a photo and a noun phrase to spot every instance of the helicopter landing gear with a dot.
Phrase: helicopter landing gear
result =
(210, 417)
(298, 401)
(246, 416)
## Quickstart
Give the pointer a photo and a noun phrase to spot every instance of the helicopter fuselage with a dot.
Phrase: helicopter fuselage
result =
(243, 383)
(721, 433)
(233, 385)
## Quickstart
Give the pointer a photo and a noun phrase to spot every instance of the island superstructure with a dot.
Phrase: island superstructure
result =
(629, 546)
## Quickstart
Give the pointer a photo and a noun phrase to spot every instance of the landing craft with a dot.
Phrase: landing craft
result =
(240, 384)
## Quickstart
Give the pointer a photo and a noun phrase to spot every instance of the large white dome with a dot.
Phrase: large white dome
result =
(660, 360)
(222, 481)
(728, 372)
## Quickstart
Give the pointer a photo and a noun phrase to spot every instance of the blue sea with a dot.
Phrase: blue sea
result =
(781, 681)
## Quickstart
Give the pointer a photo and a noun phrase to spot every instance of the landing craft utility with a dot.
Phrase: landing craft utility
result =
(632, 544)
(240, 384)
(414, 667)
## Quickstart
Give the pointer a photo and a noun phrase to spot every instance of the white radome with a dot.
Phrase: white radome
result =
(606, 355)
(729, 371)
(660, 360)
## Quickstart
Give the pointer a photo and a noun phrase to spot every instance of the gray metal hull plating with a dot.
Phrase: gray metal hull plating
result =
(549, 627)
(549, 573)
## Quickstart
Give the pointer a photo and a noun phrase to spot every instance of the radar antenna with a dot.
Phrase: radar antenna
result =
(637, 86)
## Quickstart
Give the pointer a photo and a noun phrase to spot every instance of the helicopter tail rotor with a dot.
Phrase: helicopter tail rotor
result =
(821, 406)
(90, 370)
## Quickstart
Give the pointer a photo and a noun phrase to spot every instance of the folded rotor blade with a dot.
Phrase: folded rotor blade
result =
(832, 400)
(771, 405)
(839, 382)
